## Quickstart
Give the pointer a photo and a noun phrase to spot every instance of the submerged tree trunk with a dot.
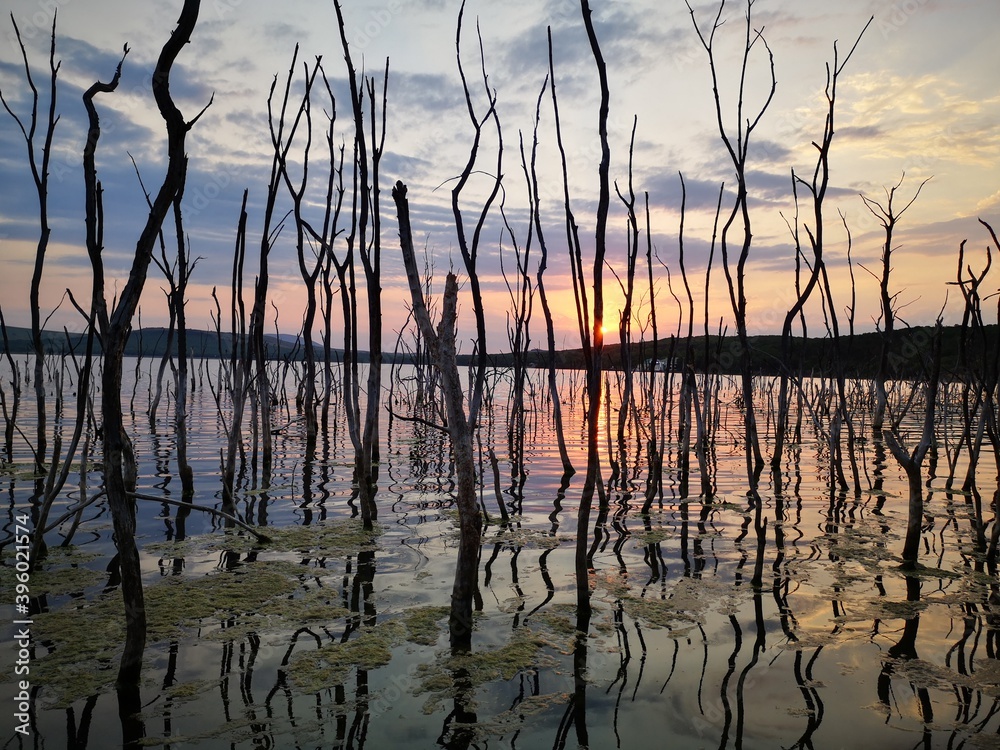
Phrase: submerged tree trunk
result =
(441, 344)
(912, 460)
(593, 352)
(737, 145)
(817, 188)
(550, 336)
(40, 176)
(119, 460)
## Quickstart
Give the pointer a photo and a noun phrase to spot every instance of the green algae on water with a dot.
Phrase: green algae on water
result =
(453, 675)
(54, 577)
(423, 624)
(685, 605)
(81, 642)
(329, 665)
(326, 538)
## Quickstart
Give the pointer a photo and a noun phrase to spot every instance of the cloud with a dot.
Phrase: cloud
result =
(910, 102)
(948, 121)
(989, 203)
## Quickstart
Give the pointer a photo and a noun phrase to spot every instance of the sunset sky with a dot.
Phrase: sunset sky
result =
(921, 96)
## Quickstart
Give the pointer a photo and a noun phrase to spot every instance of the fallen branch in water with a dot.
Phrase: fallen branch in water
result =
(76, 509)
(260, 537)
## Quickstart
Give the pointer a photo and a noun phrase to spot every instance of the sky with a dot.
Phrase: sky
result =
(919, 99)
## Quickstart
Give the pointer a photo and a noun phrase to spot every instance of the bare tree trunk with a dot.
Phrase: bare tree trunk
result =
(178, 301)
(10, 413)
(593, 353)
(654, 453)
(689, 384)
(441, 344)
(119, 460)
(817, 188)
(255, 329)
(625, 410)
(887, 215)
(550, 337)
(737, 145)
(911, 460)
(58, 472)
(366, 452)
(239, 370)
(40, 176)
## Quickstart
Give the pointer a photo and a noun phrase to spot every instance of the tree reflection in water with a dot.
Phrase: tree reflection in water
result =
(705, 615)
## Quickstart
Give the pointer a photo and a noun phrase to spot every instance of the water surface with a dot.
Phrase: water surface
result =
(836, 648)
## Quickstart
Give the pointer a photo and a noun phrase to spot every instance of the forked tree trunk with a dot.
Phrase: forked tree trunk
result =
(911, 460)
(441, 344)
(119, 460)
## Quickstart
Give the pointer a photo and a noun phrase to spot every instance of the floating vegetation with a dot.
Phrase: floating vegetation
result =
(653, 534)
(453, 676)
(347, 536)
(423, 624)
(881, 609)
(684, 606)
(327, 538)
(511, 720)
(925, 674)
(516, 537)
(20, 471)
(79, 637)
(66, 580)
(259, 596)
(55, 578)
(182, 692)
(330, 665)
(237, 729)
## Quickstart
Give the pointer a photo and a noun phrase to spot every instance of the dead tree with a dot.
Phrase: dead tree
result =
(366, 230)
(441, 345)
(237, 371)
(40, 175)
(888, 216)
(593, 340)
(977, 365)
(654, 445)
(53, 476)
(737, 145)
(178, 299)
(625, 409)
(119, 460)
(522, 298)
(550, 337)
(910, 459)
(817, 188)
(9, 412)
(59, 471)
(979, 373)
(308, 257)
(469, 246)
(177, 273)
(262, 395)
(689, 384)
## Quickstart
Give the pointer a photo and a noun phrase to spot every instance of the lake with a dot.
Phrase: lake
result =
(328, 637)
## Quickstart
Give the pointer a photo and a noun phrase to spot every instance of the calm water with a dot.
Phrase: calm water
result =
(681, 651)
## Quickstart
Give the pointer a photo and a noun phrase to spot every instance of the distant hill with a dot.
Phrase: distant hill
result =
(152, 342)
(857, 355)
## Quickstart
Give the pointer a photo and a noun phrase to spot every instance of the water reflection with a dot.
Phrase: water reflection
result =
(705, 612)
